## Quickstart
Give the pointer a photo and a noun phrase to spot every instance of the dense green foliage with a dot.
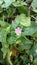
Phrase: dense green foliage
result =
(18, 32)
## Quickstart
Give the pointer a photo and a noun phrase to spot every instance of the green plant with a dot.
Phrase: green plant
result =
(18, 32)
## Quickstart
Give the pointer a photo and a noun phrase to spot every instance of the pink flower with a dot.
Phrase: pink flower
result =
(18, 31)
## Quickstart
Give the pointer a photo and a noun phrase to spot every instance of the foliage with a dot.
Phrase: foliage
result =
(18, 32)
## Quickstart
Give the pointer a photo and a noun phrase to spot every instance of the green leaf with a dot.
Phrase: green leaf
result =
(23, 44)
(23, 9)
(35, 61)
(1, 1)
(12, 39)
(35, 34)
(3, 34)
(30, 30)
(33, 50)
(15, 23)
(25, 21)
(3, 23)
(34, 5)
(7, 3)
(18, 3)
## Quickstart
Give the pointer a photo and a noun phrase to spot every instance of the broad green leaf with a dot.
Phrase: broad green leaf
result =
(25, 44)
(12, 39)
(3, 24)
(18, 3)
(25, 21)
(33, 50)
(30, 30)
(35, 61)
(23, 9)
(23, 47)
(7, 3)
(35, 34)
(3, 34)
(15, 23)
(1, 1)
(34, 5)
